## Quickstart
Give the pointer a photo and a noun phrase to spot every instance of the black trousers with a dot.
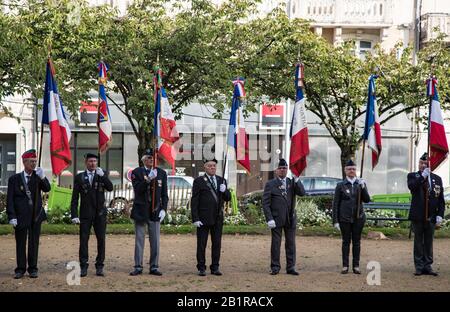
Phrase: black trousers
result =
(289, 246)
(202, 240)
(351, 234)
(423, 244)
(99, 224)
(31, 233)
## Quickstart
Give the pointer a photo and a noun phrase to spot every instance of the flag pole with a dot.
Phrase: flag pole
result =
(430, 95)
(155, 143)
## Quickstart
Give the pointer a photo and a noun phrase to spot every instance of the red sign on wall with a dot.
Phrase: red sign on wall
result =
(272, 116)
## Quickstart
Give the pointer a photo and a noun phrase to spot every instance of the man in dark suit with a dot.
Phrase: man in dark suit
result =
(209, 193)
(149, 210)
(90, 186)
(425, 186)
(279, 209)
(25, 213)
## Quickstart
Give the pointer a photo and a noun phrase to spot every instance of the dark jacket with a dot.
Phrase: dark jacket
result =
(207, 203)
(278, 204)
(417, 185)
(92, 197)
(17, 200)
(143, 195)
(345, 202)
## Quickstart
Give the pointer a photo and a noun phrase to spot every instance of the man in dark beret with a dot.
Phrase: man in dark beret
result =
(90, 186)
(25, 214)
(426, 213)
(279, 209)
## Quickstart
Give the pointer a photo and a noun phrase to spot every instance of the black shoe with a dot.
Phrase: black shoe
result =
(99, 272)
(418, 273)
(83, 272)
(34, 274)
(135, 272)
(18, 275)
(216, 272)
(356, 270)
(344, 270)
(201, 273)
(292, 272)
(430, 272)
(155, 272)
(274, 272)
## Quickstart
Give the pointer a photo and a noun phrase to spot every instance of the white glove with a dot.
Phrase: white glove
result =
(222, 188)
(271, 224)
(337, 227)
(198, 223)
(361, 182)
(426, 172)
(99, 171)
(40, 173)
(13, 222)
(162, 215)
(438, 220)
(76, 221)
(153, 173)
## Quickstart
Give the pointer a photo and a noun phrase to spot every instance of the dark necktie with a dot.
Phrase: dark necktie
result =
(28, 179)
(213, 183)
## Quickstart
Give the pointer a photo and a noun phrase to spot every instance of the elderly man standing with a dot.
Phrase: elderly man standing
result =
(209, 193)
(25, 214)
(279, 209)
(149, 210)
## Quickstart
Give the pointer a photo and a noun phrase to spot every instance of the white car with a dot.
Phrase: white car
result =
(179, 190)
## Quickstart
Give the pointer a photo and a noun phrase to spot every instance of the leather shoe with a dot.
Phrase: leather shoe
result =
(99, 272)
(18, 275)
(83, 272)
(292, 272)
(273, 272)
(430, 272)
(202, 273)
(155, 272)
(135, 272)
(344, 270)
(34, 274)
(216, 272)
(418, 273)
(356, 270)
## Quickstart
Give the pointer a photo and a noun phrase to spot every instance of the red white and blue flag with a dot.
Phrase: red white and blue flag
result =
(372, 130)
(437, 137)
(53, 116)
(237, 140)
(104, 123)
(299, 127)
(164, 120)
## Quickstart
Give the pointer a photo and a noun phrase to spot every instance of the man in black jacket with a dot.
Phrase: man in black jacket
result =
(349, 216)
(279, 209)
(90, 185)
(145, 213)
(25, 214)
(209, 193)
(424, 218)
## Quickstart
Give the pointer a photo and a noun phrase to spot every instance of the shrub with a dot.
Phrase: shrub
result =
(59, 215)
(253, 213)
(118, 216)
(237, 219)
(382, 214)
(309, 214)
(323, 202)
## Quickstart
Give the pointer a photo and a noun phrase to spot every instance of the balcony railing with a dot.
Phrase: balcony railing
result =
(432, 24)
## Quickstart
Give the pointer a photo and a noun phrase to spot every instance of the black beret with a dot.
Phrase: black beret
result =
(350, 163)
(282, 163)
(90, 155)
(424, 156)
(148, 152)
(205, 160)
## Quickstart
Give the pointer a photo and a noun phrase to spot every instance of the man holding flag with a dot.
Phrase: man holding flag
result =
(427, 202)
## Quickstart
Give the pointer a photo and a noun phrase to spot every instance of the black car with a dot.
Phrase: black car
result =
(319, 185)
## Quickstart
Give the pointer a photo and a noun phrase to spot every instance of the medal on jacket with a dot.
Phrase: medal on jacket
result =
(437, 190)
(30, 202)
(283, 190)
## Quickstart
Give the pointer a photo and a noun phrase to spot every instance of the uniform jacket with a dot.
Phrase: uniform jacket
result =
(417, 185)
(206, 202)
(277, 202)
(18, 206)
(345, 202)
(92, 197)
(143, 195)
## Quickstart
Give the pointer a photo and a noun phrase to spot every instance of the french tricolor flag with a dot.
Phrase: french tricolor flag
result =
(299, 128)
(437, 137)
(53, 116)
(104, 123)
(372, 130)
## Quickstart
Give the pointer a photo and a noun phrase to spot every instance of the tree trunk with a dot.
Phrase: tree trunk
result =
(145, 142)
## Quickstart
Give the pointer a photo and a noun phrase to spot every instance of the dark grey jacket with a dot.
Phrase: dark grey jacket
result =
(277, 202)
(345, 202)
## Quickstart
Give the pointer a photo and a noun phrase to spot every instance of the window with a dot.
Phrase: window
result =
(306, 183)
(364, 48)
(325, 183)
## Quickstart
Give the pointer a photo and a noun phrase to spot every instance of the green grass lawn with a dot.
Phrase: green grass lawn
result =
(395, 233)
